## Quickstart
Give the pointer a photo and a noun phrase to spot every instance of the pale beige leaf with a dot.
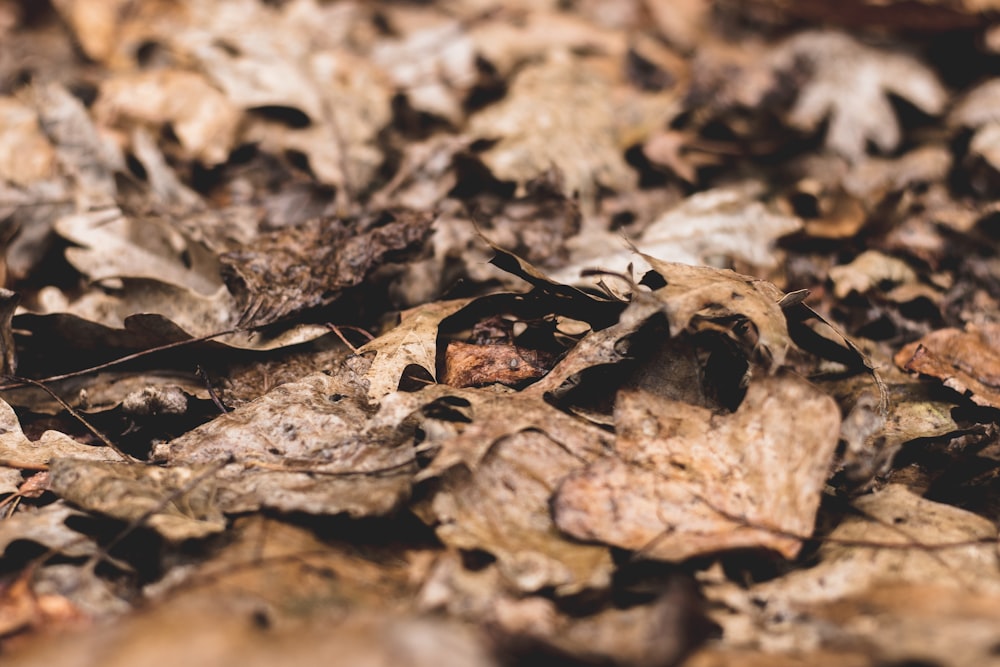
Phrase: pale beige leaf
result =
(851, 84)
(559, 113)
(16, 450)
(26, 155)
(412, 341)
(314, 445)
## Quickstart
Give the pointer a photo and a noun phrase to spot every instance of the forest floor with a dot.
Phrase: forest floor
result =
(639, 332)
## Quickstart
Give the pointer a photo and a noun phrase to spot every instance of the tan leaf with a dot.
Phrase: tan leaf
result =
(204, 120)
(46, 526)
(17, 451)
(313, 445)
(694, 295)
(494, 414)
(25, 152)
(412, 341)
(559, 113)
(687, 481)
(502, 507)
(177, 502)
(720, 224)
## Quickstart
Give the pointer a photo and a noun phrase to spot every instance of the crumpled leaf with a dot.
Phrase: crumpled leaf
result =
(176, 502)
(27, 155)
(966, 361)
(294, 269)
(412, 341)
(203, 118)
(494, 414)
(850, 84)
(687, 481)
(46, 526)
(695, 296)
(313, 446)
(112, 245)
(503, 508)
(849, 567)
(869, 270)
(17, 451)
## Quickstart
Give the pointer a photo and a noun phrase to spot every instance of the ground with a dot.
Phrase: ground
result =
(592, 332)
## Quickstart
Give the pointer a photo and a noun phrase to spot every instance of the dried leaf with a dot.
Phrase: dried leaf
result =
(966, 361)
(870, 270)
(558, 113)
(17, 451)
(493, 414)
(294, 269)
(412, 341)
(177, 502)
(502, 507)
(849, 567)
(314, 446)
(47, 526)
(27, 155)
(727, 222)
(695, 296)
(202, 118)
(687, 481)
(850, 84)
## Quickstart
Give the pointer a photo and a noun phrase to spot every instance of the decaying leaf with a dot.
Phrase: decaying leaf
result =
(869, 270)
(413, 341)
(550, 108)
(295, 269)
(850, 84)
(502, 507)
(719, 224)
(16, 450)
(686, 481)
(46, 526)
(314, 445)
(966, 361)
(898, 538)
(178, 502)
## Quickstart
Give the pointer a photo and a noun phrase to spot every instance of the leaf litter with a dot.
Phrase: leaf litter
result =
(722, 395)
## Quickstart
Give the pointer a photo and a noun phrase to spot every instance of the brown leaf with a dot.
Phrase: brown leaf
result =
(549, 107)
(468, 365)
(695, 296)
(287, 271)
(314, 445)
(176, 502)
(686, 481)
(502, 507)
(494, 414)
(27, 155)
(47, 526)
(17, 451)
(966, 361)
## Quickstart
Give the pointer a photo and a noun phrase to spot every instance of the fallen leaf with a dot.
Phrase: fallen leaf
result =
(966, 361)
(177, 502)
(502, 507)
(202, 118)
(27, 154)
(716, 225)
(868, 271)
(549, 107)
(686, 481)
(47, 526)
(488, 415)
(850, 84)
(16, 450)
(413, 341)
(291, 270)
(312, 446)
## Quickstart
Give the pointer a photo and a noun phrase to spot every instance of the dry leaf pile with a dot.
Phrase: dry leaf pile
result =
(581, 333)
